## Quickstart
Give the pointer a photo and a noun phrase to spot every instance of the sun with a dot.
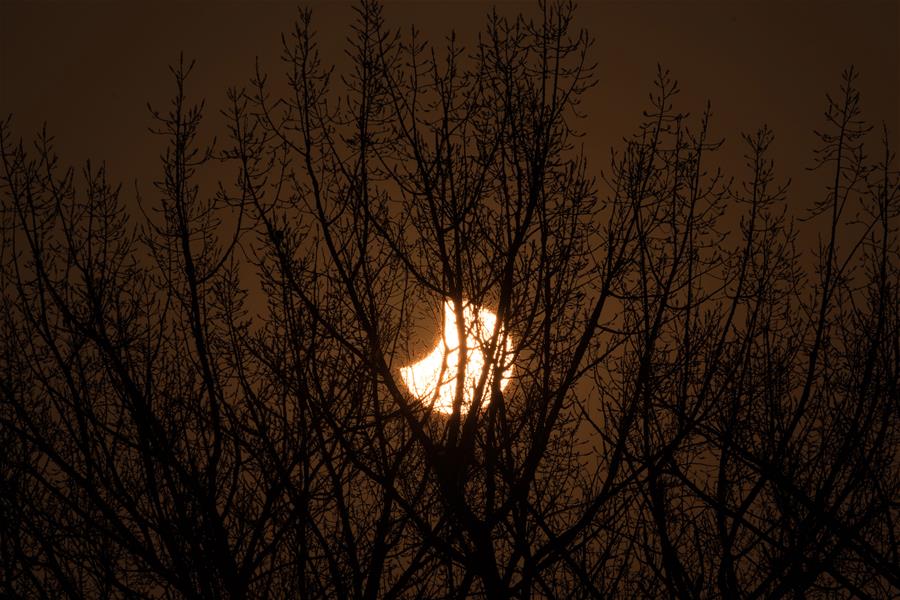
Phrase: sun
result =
(434, 378)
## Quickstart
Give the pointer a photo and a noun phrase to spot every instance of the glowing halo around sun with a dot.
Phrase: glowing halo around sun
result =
(434, 378)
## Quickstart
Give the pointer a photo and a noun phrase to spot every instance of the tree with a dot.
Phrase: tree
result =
(690, 412)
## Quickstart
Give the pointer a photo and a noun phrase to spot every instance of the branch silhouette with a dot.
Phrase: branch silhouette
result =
(202, 397)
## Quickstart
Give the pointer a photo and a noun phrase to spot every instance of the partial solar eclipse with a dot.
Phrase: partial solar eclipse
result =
(434, 378)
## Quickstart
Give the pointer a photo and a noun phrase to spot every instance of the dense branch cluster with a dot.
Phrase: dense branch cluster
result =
(201, 397)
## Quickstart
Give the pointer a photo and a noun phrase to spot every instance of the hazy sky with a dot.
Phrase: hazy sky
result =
(89, 69)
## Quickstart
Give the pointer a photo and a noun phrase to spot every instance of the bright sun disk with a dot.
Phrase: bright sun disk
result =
(433, 379)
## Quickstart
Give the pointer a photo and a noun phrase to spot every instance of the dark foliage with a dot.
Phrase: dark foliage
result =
(201, 398)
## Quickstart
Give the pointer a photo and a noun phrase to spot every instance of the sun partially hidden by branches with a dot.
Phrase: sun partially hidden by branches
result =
(434, 379)
(208, 392)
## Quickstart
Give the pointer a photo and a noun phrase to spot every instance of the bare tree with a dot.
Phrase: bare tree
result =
(204, 399)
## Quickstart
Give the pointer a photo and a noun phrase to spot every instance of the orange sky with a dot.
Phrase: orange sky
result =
(89, 68)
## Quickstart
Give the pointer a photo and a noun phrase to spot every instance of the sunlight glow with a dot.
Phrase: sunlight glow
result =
(433, 379)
